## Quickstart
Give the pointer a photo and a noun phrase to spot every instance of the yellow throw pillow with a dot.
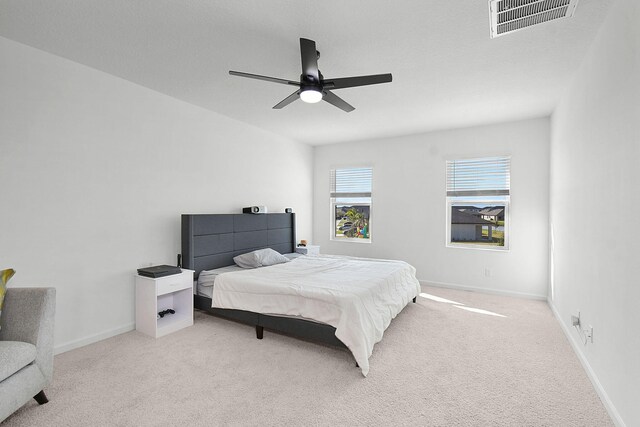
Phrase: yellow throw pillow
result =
(5, 275)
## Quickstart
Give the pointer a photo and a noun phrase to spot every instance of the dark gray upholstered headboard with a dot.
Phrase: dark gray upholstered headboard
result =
(212, 240)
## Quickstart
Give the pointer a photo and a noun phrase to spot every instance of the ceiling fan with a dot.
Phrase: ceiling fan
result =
(313, 87)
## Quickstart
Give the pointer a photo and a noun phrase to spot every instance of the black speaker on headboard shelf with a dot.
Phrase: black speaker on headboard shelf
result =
(288, 210)
(255, 210)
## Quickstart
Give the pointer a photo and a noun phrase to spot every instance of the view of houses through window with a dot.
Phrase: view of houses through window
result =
(478, 197)
(478, 223)
(351, 204)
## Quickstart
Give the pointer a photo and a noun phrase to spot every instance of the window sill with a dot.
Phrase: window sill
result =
(478, 247)
(351, 240)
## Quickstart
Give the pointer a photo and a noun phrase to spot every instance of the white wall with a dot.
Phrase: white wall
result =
(95, 172)
(408, 205)
(595, 203)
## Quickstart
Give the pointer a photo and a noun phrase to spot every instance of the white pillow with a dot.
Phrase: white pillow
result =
(259, 258)
(270, 257)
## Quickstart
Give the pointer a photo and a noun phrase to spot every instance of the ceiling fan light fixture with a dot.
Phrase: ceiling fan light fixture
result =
(311, 95)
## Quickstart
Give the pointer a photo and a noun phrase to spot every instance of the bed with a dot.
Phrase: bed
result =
(298, 298)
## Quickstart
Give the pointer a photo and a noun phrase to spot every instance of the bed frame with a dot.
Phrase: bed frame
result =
(211, 241)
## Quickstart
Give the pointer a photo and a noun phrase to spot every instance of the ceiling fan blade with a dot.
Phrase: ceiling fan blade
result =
(356, 81)
(288, 100)
(265, 78)
(335, 100)
(309, 56)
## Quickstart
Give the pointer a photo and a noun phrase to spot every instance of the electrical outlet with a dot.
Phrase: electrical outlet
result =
(487, 272)
(589, 333)
(575, 320)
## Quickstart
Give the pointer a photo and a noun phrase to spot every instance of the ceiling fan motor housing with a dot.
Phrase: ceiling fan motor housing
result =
(311, 79)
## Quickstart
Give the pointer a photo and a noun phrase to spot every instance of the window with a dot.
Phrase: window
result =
(478, 202)
(351, 204)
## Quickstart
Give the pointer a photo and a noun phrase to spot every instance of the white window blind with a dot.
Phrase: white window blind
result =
(489, 176)
(352, 182)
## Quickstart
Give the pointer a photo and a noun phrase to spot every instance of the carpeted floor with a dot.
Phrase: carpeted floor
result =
(437, 365)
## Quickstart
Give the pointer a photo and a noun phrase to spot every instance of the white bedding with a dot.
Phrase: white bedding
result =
(357, 296)
(207, 277)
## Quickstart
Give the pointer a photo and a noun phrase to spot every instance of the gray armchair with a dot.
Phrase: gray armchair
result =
(26, 347)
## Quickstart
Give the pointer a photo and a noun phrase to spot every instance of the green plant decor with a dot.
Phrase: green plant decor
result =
(5, 275)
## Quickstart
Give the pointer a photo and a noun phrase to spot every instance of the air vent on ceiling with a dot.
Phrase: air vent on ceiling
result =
(508, 16)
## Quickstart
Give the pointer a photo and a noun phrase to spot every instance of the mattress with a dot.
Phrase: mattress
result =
(206, 279)
(204, 291)
(357, 296)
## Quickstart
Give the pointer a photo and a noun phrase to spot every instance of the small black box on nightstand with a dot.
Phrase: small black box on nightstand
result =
(159, 271)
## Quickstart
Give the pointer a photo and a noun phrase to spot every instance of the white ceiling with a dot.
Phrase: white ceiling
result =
(447, 72)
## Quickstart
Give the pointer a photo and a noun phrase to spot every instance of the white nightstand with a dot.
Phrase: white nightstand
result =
(155, 295)
(308, 250)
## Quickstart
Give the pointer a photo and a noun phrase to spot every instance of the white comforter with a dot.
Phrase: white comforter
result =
(357, 296)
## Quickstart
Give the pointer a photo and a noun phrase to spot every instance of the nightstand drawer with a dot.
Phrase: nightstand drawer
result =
(176, 282)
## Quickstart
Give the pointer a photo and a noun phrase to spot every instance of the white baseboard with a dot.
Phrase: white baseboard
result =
(62, 348)
(576, 345)
(484, 290)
